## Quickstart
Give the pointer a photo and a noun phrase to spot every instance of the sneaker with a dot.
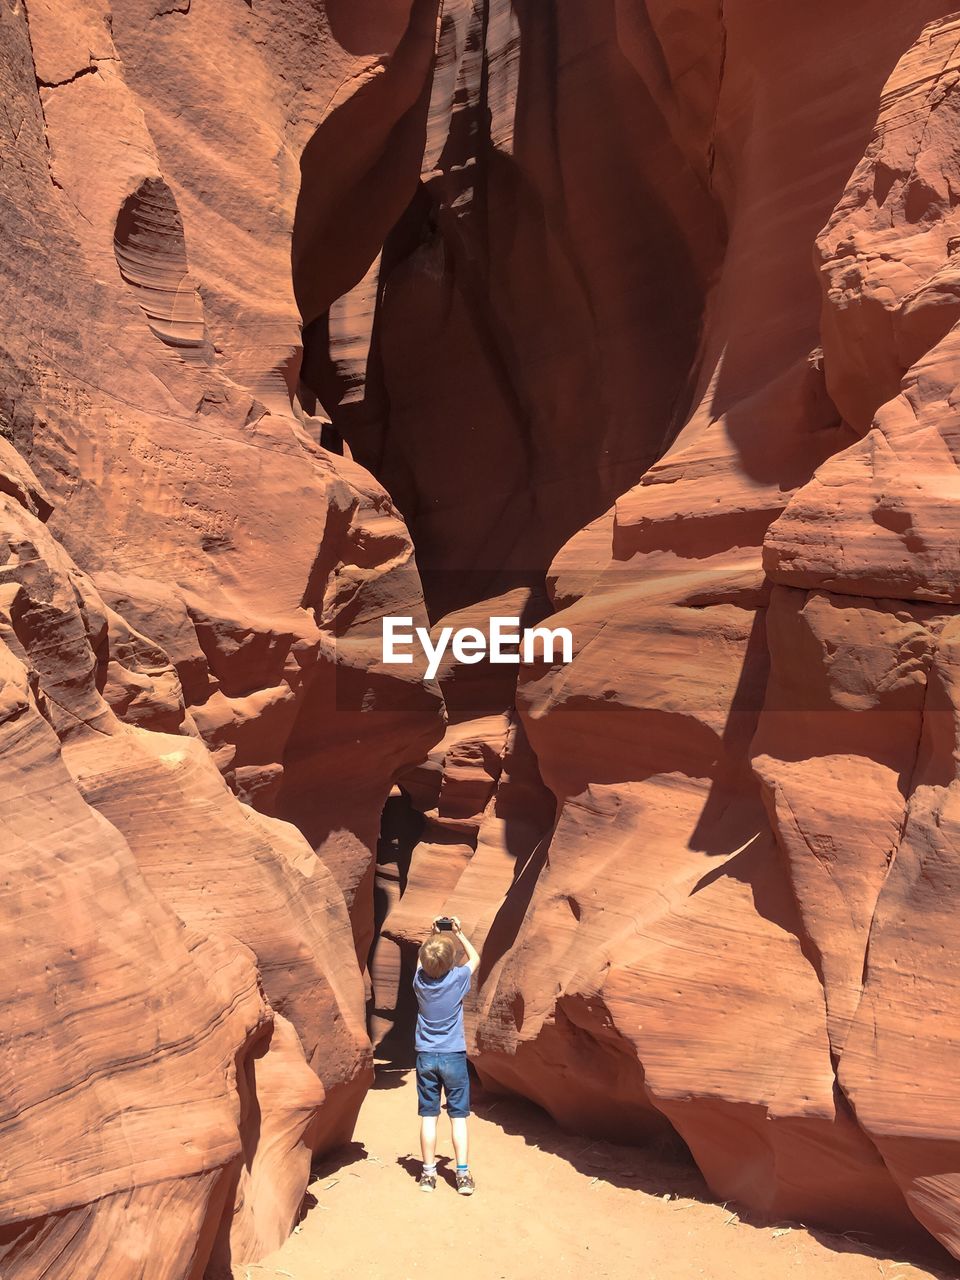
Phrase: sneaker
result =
(428, 1181)
(465, 1184)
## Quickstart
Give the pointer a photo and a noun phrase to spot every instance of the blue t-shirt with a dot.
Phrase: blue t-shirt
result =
(440, 1020)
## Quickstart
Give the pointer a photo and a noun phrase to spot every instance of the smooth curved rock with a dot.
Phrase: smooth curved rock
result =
(552, 264)
(190, 601)
(695, 895)
(878, 521)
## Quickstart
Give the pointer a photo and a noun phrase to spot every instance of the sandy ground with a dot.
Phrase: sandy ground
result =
(548, 1204)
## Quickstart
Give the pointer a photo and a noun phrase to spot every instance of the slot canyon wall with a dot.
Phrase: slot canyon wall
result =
(196, 734)
(633, 314)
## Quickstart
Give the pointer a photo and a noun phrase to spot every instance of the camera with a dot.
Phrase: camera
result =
(444, 922)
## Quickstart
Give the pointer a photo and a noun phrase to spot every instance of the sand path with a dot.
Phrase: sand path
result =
(548, 1205)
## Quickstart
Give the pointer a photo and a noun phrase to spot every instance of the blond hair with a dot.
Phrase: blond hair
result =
(437, 956)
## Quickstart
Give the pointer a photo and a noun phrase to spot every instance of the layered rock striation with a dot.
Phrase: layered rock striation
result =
(197, 733)
(636, 317)
(721, 904)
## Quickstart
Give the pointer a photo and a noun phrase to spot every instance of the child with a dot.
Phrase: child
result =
(442, 1049)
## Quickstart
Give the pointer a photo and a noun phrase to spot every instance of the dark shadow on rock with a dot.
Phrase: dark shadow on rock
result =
(367, 27)
(713, 831)
(506, 923)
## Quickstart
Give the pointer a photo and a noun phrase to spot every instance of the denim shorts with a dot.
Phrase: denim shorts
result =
(450, 1071)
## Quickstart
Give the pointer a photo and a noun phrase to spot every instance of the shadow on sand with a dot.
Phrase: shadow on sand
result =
(332, 1162)
(662, 1167)
(391, 1073)
(665, 1169)
(445, 1170)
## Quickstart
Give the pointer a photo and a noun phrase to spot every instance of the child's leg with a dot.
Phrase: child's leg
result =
(456, 1082)
(458, 1131)
(428, 1139)
(428, 1105)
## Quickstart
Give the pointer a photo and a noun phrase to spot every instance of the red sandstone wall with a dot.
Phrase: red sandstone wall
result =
(634, 314)
(733, 918)
(190, 595)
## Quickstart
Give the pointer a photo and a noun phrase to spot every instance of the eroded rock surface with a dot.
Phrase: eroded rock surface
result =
(556, 267)
(198, 736)
(727, 898)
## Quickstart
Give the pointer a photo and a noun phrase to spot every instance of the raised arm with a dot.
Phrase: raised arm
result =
(473, 955)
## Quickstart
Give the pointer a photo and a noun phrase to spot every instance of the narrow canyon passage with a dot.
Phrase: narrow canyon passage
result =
(548, 1203)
